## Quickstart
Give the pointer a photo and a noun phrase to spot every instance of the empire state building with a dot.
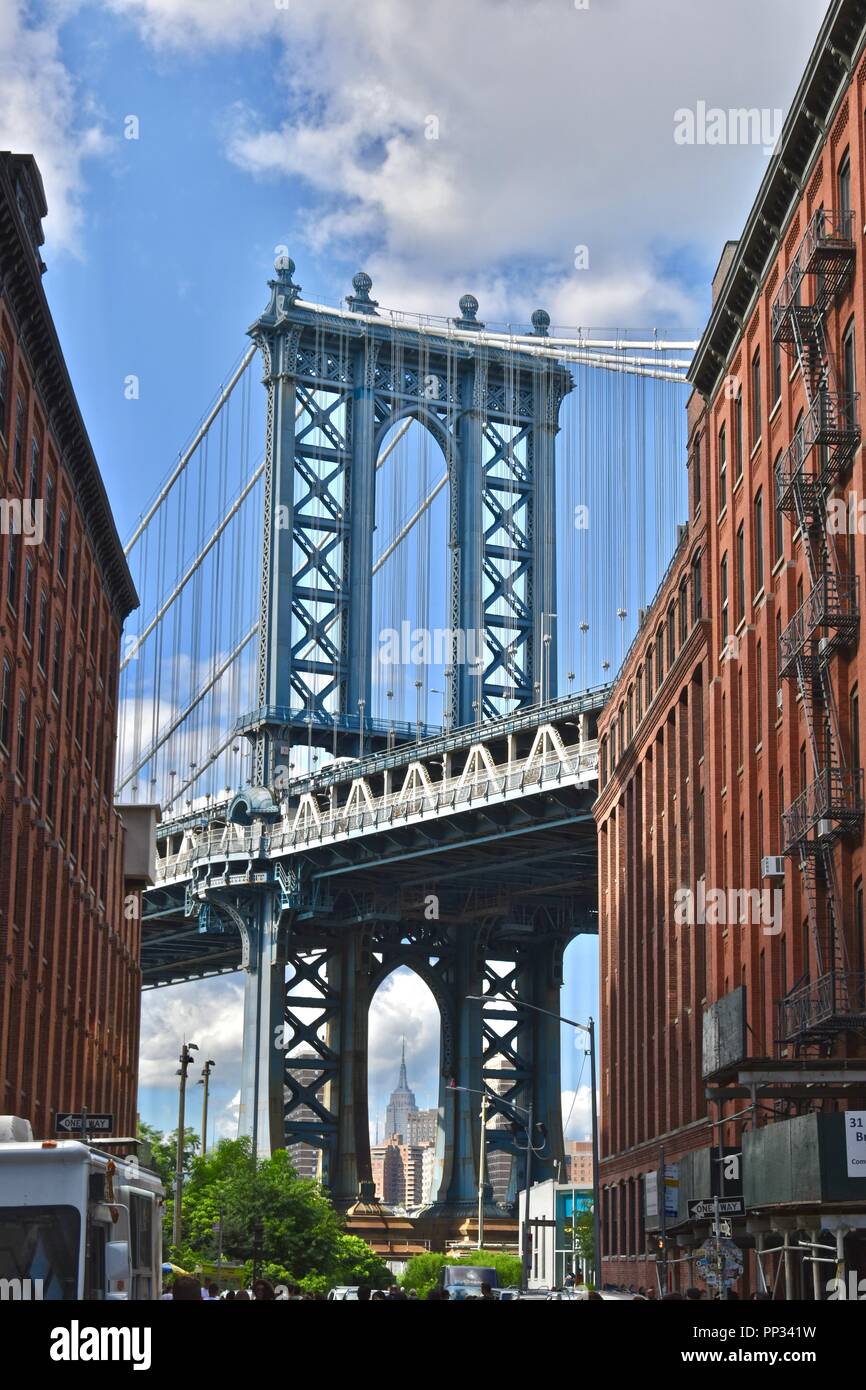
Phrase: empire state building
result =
(401, 1105)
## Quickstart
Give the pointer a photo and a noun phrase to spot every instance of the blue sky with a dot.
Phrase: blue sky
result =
(263, 124)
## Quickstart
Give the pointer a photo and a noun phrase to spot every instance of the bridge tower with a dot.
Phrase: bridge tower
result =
(337, 382)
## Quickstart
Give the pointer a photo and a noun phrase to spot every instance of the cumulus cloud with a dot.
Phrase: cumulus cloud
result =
(43, 112)
(447, 141)
(207, 1012)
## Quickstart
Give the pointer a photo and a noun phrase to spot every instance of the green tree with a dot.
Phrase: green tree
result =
(423, 1271)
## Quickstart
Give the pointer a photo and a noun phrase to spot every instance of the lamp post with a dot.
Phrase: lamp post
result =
(205, 1080)
(482, 1160)
(589, 1029)
(185, 1059)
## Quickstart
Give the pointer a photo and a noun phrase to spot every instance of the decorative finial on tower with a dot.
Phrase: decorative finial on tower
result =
(468, 311)
(360, 302)
(284, 293)
(541, 323)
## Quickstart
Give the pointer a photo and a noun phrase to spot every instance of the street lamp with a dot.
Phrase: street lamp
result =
(205, 1081)
(482, 1159)
(185, 1059)
(589, 1029)
(419, 685)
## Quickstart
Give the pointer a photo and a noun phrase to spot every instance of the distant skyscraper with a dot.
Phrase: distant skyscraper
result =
(401, 1105)
(422, 1126)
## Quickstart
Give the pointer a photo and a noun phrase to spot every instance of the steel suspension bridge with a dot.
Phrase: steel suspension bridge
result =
(428, 513)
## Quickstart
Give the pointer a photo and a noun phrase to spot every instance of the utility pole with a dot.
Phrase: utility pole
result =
(525, 1253)
(185, 1060)
(663, 1216)
(596, 1175)
(481, 1167)
(205, 1079)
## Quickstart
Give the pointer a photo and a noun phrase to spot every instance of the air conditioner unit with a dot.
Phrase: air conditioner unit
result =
(779, 698)
(825, 828)
(823, 644)
(773, 866)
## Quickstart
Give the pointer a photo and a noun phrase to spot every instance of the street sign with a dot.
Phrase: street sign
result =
(705, 1210)
(69, 1123)
(855, 1142)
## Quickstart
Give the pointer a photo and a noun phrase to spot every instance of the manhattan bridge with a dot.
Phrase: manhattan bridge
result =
(381, 597)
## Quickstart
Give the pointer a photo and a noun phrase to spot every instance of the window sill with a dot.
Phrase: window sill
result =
(756, 447)
(774, 412)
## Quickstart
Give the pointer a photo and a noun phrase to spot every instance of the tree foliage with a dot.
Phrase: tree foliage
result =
(227, 1192)
(423, 1271)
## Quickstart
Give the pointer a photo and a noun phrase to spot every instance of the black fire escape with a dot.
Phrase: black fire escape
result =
(830, 806)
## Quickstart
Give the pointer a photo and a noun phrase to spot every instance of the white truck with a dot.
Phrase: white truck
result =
(75, 1222)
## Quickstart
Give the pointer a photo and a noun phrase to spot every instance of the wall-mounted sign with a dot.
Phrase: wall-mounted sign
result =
(855, 1142)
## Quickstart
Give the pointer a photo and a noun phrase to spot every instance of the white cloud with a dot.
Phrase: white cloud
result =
(42, 112)
(555, 129)
(207, 1012)
(577, 1113)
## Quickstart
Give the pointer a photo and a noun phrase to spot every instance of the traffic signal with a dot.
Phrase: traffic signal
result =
(661, 1244)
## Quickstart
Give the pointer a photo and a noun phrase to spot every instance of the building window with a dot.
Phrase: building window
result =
(38, 736)
(648, 677)
(855, 728)
(777, 372)
(48, 519)
(684, 611)
(638, 695)
(12, 571)
(630, 714)
(738, 434)
(759, 689)
(759, 542)
(741, 574)
(63, 545)
(697, 595)
(660, 657)
(697, 472)
(604, 762)
(756, 397)
(20, 423)
(51, 784)
(4, 391)
(724, 596)
(723, 468)
(57, 660)
(34, 469)
(5, 704)
(849, 375)
(778, 515)
(843, 185)
(28, 602)
(22, 733)
(43, 630)
(672, 636)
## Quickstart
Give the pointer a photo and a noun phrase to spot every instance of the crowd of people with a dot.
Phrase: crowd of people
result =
(187, 1289)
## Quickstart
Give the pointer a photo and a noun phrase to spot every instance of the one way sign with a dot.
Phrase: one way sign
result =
(68, 1123)
(728, 1206)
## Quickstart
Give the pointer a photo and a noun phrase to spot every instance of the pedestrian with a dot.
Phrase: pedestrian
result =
(569, 1281)
(263, 1291)
(212, 1292)
(487, 1293)
(378, 1296)
(186, 1289)
(694, 1295)
(242, 1296)
(364, 1293)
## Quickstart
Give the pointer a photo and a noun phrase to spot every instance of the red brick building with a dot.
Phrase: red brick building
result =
(69, 975)
(730, 813)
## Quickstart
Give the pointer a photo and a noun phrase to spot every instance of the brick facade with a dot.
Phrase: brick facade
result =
(695, 780)
(69, 975)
